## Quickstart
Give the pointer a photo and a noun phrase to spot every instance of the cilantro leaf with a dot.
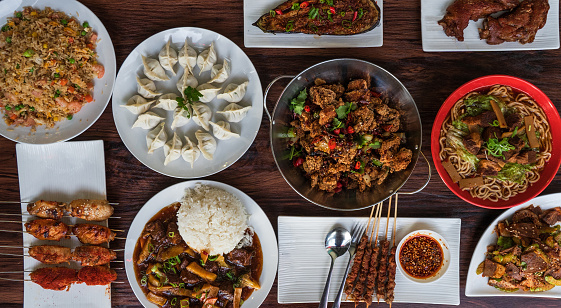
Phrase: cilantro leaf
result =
(191, 94)
(336, 124)
(297, 103)
(343, 110)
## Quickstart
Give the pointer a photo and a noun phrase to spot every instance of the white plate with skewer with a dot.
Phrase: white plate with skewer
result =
(304, 264)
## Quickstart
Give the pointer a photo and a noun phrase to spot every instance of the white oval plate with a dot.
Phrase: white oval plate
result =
(68, 129)
(476, 285)
(257, 219)
(227, 151)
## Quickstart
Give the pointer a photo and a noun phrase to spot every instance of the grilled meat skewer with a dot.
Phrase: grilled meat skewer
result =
(359, 286)
(93, 255)
(372, 275)
(390, 285)
(96, 275)
(46, 209)
(92, 210)
(93, 234)
(382, 269)
(50, 254)
(47, 229)
(357, 263)
(54, 278)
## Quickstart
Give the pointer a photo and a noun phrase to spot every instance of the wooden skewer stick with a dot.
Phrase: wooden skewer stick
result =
(27, 202)
(15, 221)
(11, 214)
(29, 280)
(26, 255)
(19, 231)
(394, 222)
(388, 218)
(27, 247)
(376, 220)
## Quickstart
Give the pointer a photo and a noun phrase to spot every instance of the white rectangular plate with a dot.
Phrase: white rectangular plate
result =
(304, 264)
(434, 38)
(62, 172)
(476, 285)
(254, 37)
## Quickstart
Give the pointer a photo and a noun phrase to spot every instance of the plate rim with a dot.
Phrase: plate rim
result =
(482, 244)
(146, 208)
(484, 82)
(111, 81)
(115, 105)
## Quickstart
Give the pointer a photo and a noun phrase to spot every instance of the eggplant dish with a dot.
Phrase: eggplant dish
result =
(527, 255)
(332, 17)
(172, 274)
(345, 137)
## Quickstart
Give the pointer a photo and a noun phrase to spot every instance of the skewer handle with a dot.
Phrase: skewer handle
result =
(337, 302)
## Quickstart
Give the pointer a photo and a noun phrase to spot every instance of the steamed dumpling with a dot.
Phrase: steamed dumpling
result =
(138, 104)
(187, 58)
(181, 117)
(208, 91)
(167, 102)
(147, 120)
(187, 80)
(234, 112)
(153, 69)
(207, 144)
(190, 152)
(168, 57)
(156, 138)
(220, 72)
(201, 115)
(206, 59)
(234, 93)
(146, 88)
(221, 130)
(172, 149)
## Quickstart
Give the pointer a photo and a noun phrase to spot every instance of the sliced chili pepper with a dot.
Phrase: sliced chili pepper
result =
(332, 10)
(304, 4)
(339, 185)
(355, 15)
(350, 130)
(332, 144)
(357, 165)
(337, 131)
(298, 162)
(307, 108)
(279, 12)
(387, 127)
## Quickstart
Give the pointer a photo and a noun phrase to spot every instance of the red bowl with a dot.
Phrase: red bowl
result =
(551, 167)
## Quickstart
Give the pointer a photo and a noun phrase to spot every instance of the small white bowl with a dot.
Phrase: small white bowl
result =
(445, 252)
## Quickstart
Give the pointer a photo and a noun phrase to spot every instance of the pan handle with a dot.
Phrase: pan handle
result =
(267, 93)
(426, 183)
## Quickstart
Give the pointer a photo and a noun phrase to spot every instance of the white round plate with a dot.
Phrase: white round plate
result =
(68, 129)
(257, 219)
(227, 151)
(476, 285)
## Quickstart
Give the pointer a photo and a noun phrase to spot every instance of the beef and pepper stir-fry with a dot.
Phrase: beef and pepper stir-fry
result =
(346, 137)
(172, 274)
(527, 255)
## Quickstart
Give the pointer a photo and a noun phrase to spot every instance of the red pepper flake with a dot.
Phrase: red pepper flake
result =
(298, 162)
(357, 165)
(332, 10)
(337, 131)
(304, 4)
(279, 12)
(332, 144)
(355, 15)
(307, 108)
(350, 130)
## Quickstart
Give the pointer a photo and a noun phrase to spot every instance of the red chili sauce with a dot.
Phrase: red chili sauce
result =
(421, 256)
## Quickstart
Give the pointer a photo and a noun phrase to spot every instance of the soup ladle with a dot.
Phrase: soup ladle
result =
(337, 242)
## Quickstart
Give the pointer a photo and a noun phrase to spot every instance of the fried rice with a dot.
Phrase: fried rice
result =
(47, 66)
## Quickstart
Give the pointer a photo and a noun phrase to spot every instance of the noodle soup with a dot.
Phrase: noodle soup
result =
(495, 143)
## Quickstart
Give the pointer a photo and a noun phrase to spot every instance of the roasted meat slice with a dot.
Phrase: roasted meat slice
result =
(46, 209)
(93, 234)
(93, 255)
(47, 229)
(493, 269)
(93, 210)
(54, 278)
(459, 13)
(520, 25)
(552, 216)
(321, 18)
(96, 275)
(50, 254)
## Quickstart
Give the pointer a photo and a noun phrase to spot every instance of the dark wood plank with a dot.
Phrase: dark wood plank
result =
(430, 77)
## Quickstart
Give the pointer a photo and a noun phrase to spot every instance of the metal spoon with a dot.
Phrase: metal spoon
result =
(337, 242)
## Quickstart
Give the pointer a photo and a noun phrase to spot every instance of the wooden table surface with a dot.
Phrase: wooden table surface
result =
(429, 77)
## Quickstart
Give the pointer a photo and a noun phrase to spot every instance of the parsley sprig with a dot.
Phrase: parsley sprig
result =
(297, 103)
(190, 95)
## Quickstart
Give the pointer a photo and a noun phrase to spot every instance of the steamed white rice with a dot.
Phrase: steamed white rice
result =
(211, 219)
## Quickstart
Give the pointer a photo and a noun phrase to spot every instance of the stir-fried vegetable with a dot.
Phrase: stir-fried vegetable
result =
(455, 139)
(513, 172)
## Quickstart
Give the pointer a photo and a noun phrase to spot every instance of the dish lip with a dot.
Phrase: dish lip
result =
(111, 80)
(130, 242)
(518, 84)
(225, 166)
(445, 254)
